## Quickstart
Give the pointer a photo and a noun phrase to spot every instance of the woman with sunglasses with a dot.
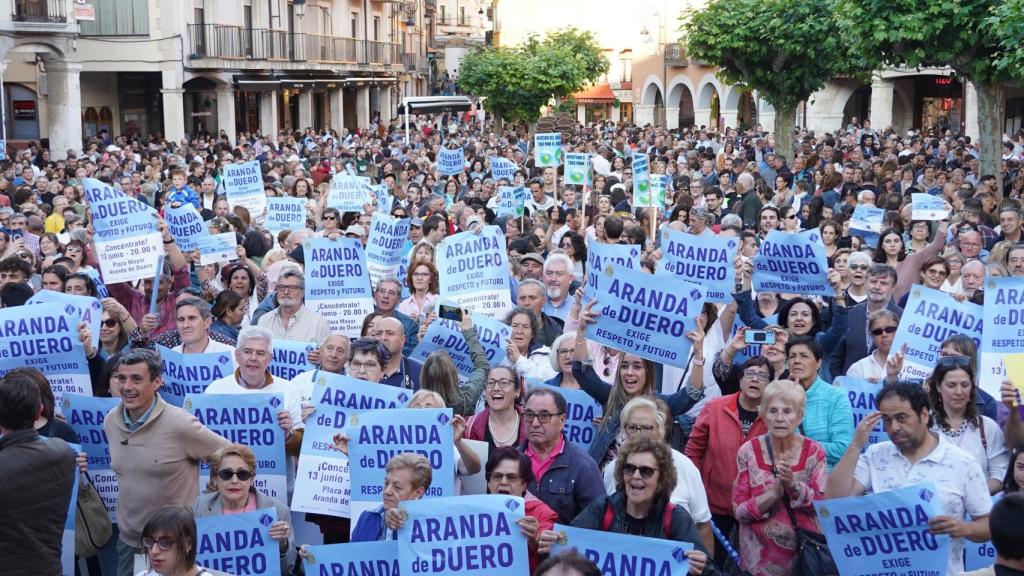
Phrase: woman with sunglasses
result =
(331, 222)
(882, 327)
(115, 332)
(955, 416)
(645, 477)
(169, 543)
(232, 470)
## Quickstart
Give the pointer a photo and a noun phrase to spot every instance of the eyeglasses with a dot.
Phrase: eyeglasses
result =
(357, 366)
(330, 217)
(629, 470)
(110, 322)
(858, 267)
(227, 473)
(791, 217)
(883, 330)
(283, 288)
(510, 477)
(504, 384)
(755, 375)
(936, 272)
(165, 544)
(421, 274)
(955, 361)
(635, 428)
(544, 417)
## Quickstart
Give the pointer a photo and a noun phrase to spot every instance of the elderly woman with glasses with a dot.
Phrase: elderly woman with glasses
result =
(508, 472)
(955, 417)
(644, 480)
(232, 472)
(643, 416)
(780, 475)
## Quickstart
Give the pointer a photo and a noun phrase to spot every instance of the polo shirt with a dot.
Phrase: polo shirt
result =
(956, 474)
(540, 467)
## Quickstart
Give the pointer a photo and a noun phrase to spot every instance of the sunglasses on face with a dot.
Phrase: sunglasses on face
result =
(226, 474)
(630, 470)
(883, 330)
(110, 322)
(955, 361)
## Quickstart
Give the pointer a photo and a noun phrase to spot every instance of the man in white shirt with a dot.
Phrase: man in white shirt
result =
(193, 319)
(253, 354)
(538, 201)
(292, 319)
(915, 455)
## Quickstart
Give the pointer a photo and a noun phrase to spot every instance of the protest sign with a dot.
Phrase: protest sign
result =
(45, 337)
(90, 309)
(338, 283)
(68, 562)
(451, 161)
(706, 260)
(467, 535)
(185, 225)
(792, 264)
(511, 201)
(656, 195)
(243, 183)
(378, 435)
(623, 553)
(285, 213)
(642, 314)
(290, 358)
(126, 238)
(547, 149)
(378, 558)
(580, 412)
(866, 222)
(384, 246)
(446, 335)
(863, 396)
(188, 374)
(473, 270)
(217, 248)
(929, 318)
(239, 544)
(641, 181)
(348, 193)
(885, 533)
(978, 555)
(600, 255)
(384, 199)
(928, 207)
(502, 168)
(251, 420)
(85, 415)
(1003, 313)
(577, 168)
(322, 479)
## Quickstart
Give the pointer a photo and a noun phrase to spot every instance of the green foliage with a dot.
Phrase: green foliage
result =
(518, 80)
(785, 49)
(1006, 23)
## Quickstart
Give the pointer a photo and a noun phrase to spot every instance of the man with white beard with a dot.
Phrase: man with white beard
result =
(557, 281)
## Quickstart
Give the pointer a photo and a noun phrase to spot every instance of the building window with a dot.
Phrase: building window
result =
(462, 15)
(118, 18)
(355, 27)
(442, 19)
(626, 66)
(376, 28)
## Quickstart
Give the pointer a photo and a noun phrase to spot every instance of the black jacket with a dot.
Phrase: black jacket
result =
(37, 476)
(681, 528)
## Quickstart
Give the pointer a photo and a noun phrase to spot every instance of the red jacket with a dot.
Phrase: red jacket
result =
(546, 517)
(714, 454)
(476, 427)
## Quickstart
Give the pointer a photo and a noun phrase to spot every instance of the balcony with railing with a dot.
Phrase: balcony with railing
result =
(415, 63)
(41, 11)
(220, 41)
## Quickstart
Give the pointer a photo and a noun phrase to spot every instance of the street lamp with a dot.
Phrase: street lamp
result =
(300, 8)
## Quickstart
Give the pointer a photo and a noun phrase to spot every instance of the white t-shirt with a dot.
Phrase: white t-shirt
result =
(229, 385)
(688, 493)
(867, 369)
(993, 459)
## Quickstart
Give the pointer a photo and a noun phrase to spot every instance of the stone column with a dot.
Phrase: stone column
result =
(581, 113)
(880, 112)
(305, 110)
(387, 107)
(226, 112)
(268, 112)
(702, 117)
(673, 117)
(337, 108)
(643, 114)
(970, 112)
(730, 119)
(363, 106)
(174, 106)
(64, 107)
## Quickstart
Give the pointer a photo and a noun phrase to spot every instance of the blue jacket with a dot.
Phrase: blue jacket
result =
(828, 419)
(183, 196)
(370, 527)
(599, 390)
(569, 485)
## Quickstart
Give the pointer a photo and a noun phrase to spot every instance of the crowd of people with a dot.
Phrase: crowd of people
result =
(728, 453)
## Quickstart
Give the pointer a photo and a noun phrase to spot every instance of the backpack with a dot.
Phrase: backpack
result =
(666, 527)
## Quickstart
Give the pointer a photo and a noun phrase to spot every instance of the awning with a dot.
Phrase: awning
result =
(599, 94)
(256, 82)
(311, 82)
(435, 104)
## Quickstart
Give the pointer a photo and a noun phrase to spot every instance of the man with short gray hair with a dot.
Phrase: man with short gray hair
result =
(292, 319)
(558, 279)
(699, 221)
(532, 294)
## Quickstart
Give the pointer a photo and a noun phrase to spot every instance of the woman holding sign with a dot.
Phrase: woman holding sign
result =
(891, 250)
(951, 392)
(644, 478)
(232, 472)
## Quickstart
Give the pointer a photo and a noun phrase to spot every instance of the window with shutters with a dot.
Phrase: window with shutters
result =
(118, 18)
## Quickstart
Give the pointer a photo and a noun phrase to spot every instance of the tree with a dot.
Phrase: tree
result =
(518, 80)
(784, 49)
(969, 36)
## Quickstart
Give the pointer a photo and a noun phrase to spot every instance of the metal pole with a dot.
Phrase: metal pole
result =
(405, 103)
(3, 117)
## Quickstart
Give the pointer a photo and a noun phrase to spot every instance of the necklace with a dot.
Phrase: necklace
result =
(507, 441)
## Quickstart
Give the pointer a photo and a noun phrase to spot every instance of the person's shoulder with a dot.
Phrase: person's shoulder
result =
(721, 402)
